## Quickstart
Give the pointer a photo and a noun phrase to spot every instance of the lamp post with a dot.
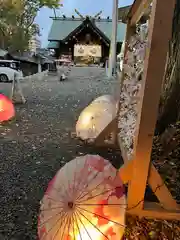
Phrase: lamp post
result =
(112, 51)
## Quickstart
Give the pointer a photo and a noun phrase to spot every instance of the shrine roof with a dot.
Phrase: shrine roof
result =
(62, 27)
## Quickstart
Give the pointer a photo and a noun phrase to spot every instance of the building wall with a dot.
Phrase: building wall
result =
(66, 49)
(86, 36)
(34, 44)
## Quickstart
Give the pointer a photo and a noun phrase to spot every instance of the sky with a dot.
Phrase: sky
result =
(85, 7)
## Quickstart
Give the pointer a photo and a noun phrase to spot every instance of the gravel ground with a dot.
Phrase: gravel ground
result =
(39, 141)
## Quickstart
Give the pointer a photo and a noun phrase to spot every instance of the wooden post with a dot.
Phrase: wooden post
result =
(158, 39)
(140, 11)
(39, 68)
(16, 91)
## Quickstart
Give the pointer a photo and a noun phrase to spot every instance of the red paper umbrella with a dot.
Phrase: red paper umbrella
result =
(84, 201)
(7, 110)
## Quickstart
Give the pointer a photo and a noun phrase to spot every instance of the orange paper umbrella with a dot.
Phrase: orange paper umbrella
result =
(7, 110)
(84, 201)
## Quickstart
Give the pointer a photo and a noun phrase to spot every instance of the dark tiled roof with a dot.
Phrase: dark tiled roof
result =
(106, 28)
(28, 57)
(62, 27)
(25, 56)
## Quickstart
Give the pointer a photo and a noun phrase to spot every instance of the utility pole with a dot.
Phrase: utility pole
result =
(54, 10)
(113, 47)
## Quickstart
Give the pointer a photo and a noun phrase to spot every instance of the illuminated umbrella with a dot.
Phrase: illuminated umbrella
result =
(84, 201)
(7, 110)
(106, 98)
(95, 117)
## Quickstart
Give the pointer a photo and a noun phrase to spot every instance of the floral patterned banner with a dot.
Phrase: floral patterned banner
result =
(81, 50)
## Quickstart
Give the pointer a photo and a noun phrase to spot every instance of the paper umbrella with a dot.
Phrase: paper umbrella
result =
(84, 201)
(95, 117)
(7, 110)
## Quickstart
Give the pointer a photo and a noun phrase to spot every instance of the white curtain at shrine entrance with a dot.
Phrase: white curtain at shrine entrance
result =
(82, 50)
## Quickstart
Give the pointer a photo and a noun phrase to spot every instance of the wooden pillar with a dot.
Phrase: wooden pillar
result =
(16, 91)
(158, 39)
(39, 68)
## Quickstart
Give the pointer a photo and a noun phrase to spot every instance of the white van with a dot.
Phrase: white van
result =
(8, 68)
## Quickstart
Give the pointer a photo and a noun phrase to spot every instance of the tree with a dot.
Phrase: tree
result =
(169, 109)
(17, 22)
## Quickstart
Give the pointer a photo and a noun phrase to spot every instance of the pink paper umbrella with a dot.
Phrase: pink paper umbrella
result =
(84, 201)
(6, 108)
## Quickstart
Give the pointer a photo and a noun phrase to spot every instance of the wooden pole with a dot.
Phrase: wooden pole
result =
(112, 51)
(16, 91)
(160, 28)
(140, 11)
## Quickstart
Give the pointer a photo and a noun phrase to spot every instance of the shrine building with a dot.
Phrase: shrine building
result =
(83, 38)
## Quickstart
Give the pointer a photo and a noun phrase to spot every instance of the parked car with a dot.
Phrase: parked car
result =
(8, 68)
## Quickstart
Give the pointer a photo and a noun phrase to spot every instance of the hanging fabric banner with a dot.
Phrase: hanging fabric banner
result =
(81, 50)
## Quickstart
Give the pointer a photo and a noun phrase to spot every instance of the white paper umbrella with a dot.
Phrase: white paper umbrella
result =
(105, 98)
(94, 118)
